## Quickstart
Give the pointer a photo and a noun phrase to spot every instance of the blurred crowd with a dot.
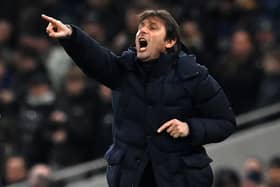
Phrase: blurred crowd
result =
(255, 173)
(51, 113)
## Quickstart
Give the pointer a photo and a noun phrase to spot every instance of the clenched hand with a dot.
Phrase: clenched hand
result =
(57, 29)
(175, 128)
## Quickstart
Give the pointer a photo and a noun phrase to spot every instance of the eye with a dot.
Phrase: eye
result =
(153, 27)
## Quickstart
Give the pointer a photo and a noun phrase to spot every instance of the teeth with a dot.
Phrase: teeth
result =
(143, 43)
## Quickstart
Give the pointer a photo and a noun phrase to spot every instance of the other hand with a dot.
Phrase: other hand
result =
(175, 128)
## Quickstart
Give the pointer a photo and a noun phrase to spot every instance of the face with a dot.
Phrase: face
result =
(15, 169)
(2, 70)
(241, 44)
(75, 87)
(273, 177)
(271, 65)
(150, 39)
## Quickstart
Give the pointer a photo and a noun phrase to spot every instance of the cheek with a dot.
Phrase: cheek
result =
(160, 37)
(159, 43)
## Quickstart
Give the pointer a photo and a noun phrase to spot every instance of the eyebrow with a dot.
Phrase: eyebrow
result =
(154, 24)
(149, 22)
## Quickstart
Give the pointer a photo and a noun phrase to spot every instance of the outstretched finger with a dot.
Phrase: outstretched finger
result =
(165, 125)
(49, 19)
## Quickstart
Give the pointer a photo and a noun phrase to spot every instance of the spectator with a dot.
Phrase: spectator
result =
(104, 10)
(8, 109)
(6, 38)
(15, 170)
(273, 173)
(5, 33)
(72, 125)
(5, 75)
(39, 176)
(104, 120)
(92, 24)
(265, 35)
(227, 178)
(33, 113)
(238, 72)
(194, 40)
(125, 37)
(27, 63)
(57, 65)
(269, 91)
(253, 173)
(192, 36)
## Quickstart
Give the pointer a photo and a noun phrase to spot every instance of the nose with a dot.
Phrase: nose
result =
(143, 30)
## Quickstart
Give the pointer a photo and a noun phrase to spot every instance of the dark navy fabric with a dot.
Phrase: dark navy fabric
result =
(177, 87)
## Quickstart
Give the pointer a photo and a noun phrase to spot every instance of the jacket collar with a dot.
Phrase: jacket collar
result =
(186, 65)
(159, 67)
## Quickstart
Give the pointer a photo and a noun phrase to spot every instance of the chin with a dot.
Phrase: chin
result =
(142, 57)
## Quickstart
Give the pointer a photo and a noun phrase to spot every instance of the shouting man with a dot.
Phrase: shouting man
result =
(166, 106)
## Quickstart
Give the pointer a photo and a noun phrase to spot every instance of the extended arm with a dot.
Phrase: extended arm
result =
(95, 60)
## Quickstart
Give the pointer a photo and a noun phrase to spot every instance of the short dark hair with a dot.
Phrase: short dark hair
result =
(171, 26)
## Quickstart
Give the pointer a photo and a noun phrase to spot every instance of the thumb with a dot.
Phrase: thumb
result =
(57, 34)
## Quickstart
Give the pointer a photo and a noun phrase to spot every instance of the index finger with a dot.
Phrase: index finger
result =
(165, 125)
(49, 19)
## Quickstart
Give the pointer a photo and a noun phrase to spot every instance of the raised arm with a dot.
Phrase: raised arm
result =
(94, 60)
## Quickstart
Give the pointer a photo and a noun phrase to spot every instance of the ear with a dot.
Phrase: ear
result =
(169, 43)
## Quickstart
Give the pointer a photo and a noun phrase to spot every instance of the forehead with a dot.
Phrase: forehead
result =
(152, 20)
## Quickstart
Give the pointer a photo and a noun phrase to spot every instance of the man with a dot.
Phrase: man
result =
(166, 106)
(273, 172)
(39, 176)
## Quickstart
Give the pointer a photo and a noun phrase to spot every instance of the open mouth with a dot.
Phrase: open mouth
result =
(143, 44)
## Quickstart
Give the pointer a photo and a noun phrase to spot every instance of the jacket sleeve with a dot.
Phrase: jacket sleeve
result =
(215, 121)
(95, 61)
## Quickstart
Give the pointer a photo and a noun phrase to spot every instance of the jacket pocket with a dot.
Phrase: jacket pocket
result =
(180, 163)
(114, 157)
(197, 170)
(198, 161)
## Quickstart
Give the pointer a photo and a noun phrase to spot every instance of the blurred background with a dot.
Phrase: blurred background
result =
(55, 123)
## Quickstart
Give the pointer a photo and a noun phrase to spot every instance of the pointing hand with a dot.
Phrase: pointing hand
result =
(57, 29)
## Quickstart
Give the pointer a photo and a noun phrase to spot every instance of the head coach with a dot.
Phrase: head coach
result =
(166, 106)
